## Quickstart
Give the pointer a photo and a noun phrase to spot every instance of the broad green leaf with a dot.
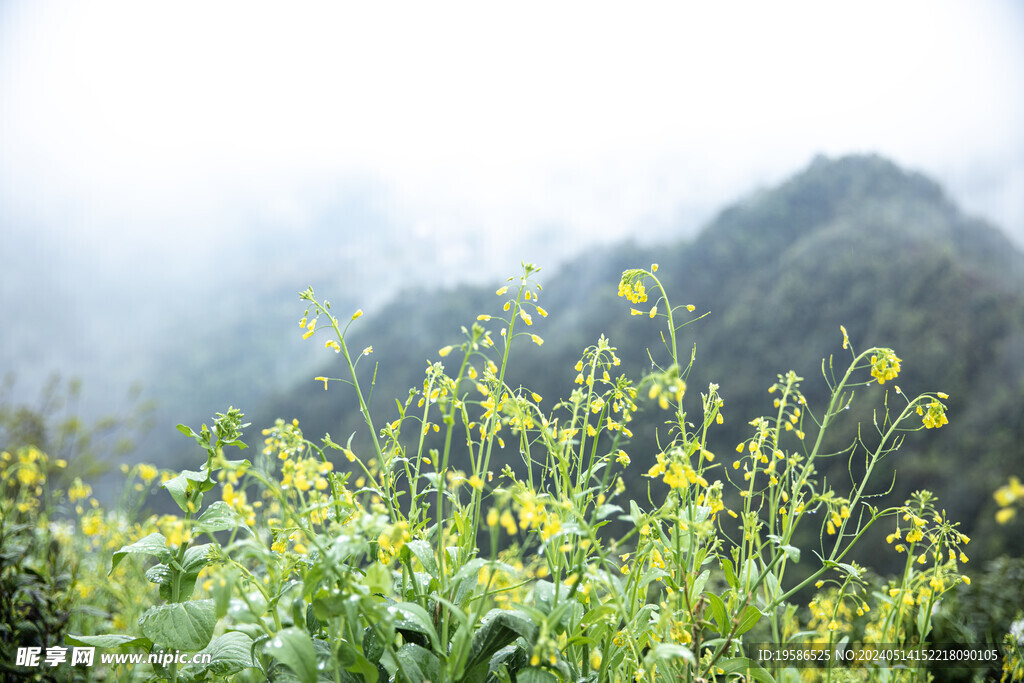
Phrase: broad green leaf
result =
(155, 544)
(607, 510)
(178, 486)
(293, 647)
(196, 557)
(351, 660)
(218, 517)
(181, 625)
(107, 641)
(425, 554)
(730, 573)
(792, 553)
(497, 629)
(469, 570)
(534, 675)
(751, 615)
(418, 664)
(698, 585)
(718, 612)
(373, 646)
(411, 617)
(229, 653)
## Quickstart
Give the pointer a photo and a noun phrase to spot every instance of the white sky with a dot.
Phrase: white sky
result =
(118, 119)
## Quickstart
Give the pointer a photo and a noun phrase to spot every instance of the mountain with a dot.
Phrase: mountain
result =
(853, 241)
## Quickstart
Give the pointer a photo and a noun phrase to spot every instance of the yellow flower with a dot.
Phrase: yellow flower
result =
(886, 366)
(1010, 493)
(331, 344)
(501, 291)
(444, 350)
(148, 473)
(537, 340)
(1004, 515)
(79, 491)
(358, 314)
(508, 522)
(542, 312)
(631, 286)
(321, 379)
(935, 417)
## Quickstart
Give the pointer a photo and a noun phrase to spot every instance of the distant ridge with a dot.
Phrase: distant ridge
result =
(856, 241)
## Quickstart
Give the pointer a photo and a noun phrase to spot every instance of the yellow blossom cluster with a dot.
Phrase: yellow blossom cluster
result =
(536, 512)
(1008, 497)
(934, 416)
(392, 540)
(885, 365)
(284, 438)
(631, 286)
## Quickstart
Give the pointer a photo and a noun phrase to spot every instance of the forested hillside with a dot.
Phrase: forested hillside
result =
(854, 241)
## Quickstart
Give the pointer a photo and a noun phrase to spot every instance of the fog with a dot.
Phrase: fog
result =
(168, 172)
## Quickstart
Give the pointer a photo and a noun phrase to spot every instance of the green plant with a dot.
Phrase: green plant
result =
(407, 567)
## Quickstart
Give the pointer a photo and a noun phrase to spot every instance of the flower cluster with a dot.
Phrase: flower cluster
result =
(885, 365)
(934, 414)
(1008, 496)
(631, 286)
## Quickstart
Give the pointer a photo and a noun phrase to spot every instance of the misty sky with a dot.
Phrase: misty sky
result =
(123, 118)
(142, 142)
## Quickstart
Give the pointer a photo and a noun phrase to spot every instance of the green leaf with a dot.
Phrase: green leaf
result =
(747, 667)
(196, 557)
(469, 570)
(792, 553)
(730, 572)
(534, 675)
(218, 517)
(187, 431)
(751, 615)
(718, 612)
(229, 653)
(425, 554)
(373, 646)
(698, 585)
(497, 629)
(181, 625)
(419, 664)
(293, 647)
(179, 486)
(155, 544)
(607, 510)
(411, 617)
(107, 641)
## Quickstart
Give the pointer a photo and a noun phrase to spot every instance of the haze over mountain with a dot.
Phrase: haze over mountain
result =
(854, 241)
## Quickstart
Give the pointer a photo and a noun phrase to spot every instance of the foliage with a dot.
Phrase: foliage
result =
(981, 613)
(854, 241)
(407, 567)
